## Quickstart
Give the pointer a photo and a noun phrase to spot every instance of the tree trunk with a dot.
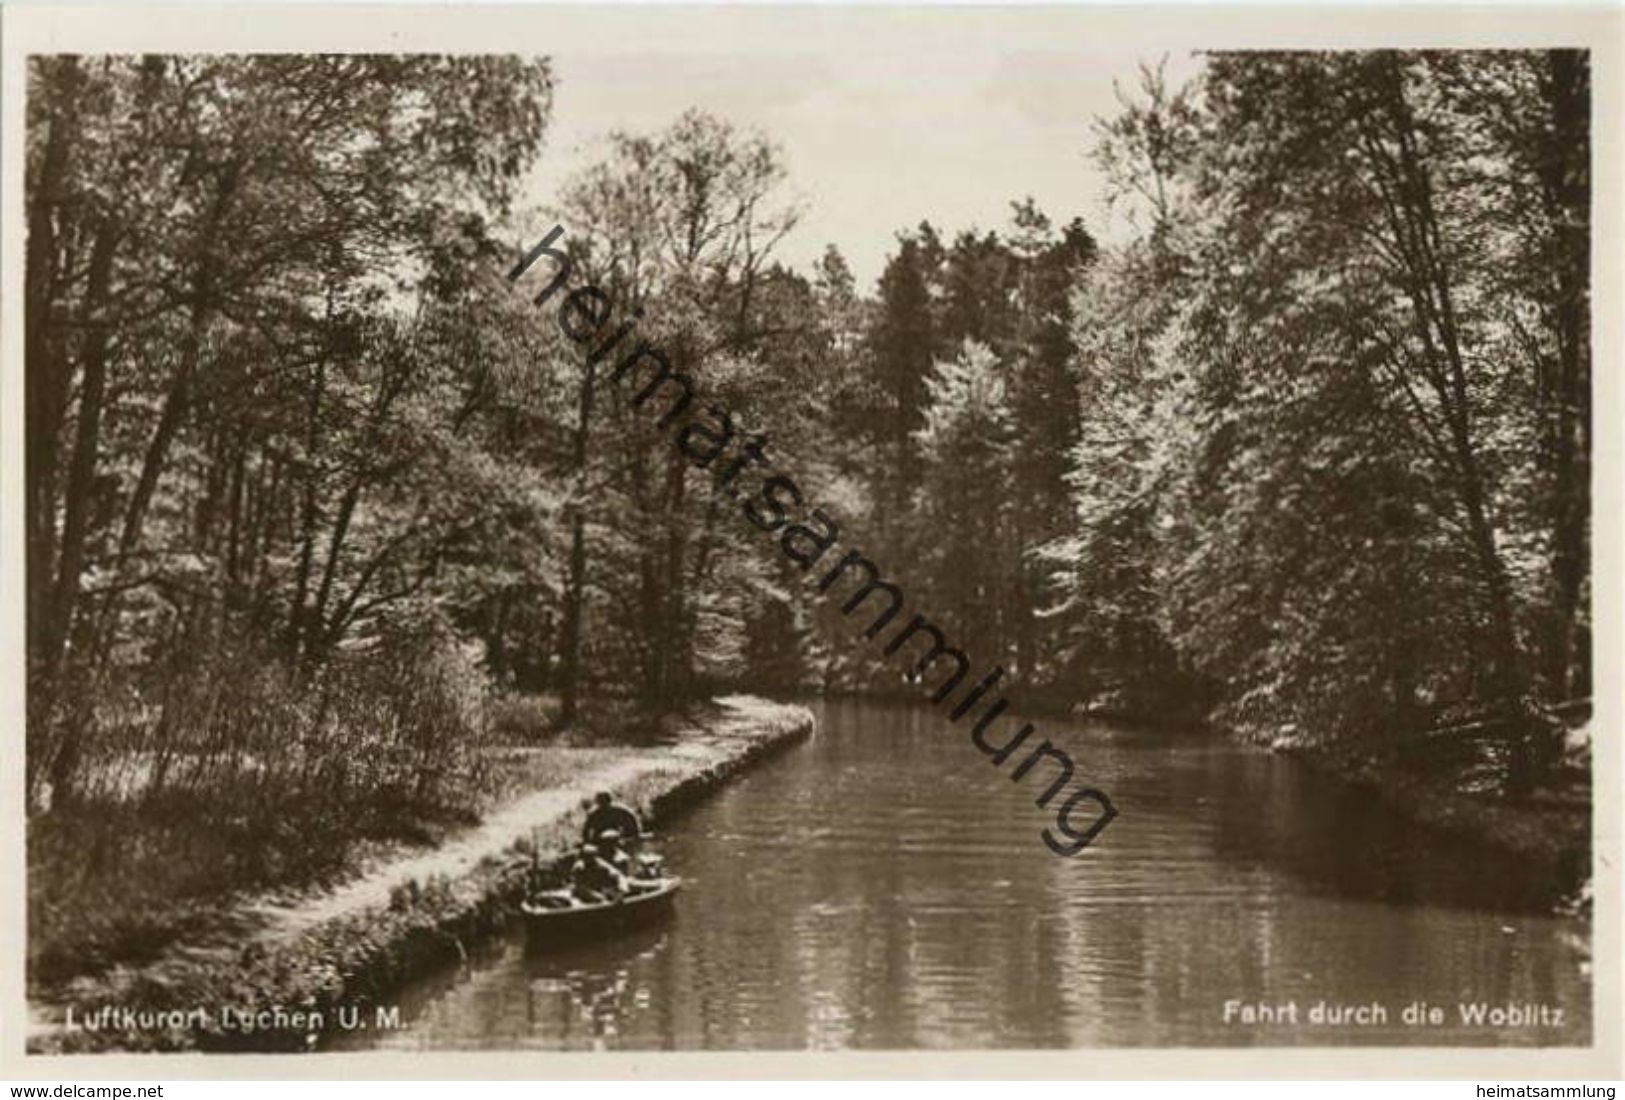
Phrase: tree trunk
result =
(575, 585)
(76, 508)
(570, 656)
(298, 627)
(46, 375)
(1566, 187)
(1425, 278)
(177, 400)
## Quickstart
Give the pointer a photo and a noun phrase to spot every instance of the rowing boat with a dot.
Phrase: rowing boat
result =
(555, 917)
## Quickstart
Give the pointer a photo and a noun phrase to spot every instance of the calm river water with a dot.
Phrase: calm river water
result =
(882, 886)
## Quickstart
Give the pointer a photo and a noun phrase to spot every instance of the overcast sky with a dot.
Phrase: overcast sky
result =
(877, 134)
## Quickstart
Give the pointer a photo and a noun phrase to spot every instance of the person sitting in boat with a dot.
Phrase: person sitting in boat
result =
(607, 814)
(594, 879)
(614, 852)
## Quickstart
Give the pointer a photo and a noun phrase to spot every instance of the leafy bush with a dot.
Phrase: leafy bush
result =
(243, 774)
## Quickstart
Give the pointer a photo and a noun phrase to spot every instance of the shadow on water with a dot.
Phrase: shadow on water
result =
(1333, 838)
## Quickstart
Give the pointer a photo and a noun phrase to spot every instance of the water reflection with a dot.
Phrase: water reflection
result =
(580, 996)
(883, 887)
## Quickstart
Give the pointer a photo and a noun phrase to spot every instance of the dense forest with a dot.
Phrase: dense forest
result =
(318, 502)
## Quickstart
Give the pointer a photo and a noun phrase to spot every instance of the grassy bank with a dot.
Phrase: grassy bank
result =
(351, 942)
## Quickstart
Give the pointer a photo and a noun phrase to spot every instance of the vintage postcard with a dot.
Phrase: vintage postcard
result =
(1050, 541)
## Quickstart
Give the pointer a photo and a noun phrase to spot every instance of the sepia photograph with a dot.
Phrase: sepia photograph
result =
(804, 531)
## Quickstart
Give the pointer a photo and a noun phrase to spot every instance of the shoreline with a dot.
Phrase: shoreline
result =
(1551, 832)
(331, 956)
(1554, 834)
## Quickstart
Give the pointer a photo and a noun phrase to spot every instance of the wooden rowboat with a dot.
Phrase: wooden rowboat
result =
(553, 919)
